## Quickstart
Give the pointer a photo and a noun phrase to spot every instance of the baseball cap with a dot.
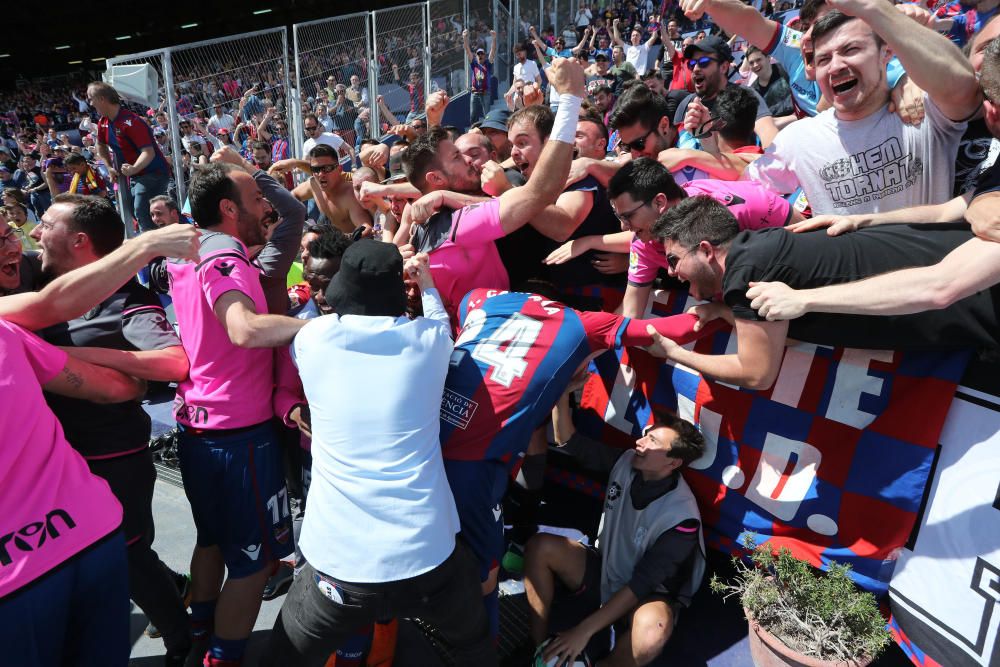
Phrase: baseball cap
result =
(496, 120)
(478, 51)
(600, 56)
(370, 281)
(712, 44)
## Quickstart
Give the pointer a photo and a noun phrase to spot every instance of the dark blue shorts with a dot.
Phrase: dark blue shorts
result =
(478, 487)
(77, 614)
(235, 482)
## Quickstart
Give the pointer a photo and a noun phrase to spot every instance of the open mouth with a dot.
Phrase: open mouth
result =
(522, 167)
(844, 86)
(699, 80)
(10, 268)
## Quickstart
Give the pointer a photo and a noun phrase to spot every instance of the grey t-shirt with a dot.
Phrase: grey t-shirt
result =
(863, 166)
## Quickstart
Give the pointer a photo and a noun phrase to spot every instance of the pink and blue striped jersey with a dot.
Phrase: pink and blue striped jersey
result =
(513, 359)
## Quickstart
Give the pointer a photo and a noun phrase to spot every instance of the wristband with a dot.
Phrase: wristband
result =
(564, 126)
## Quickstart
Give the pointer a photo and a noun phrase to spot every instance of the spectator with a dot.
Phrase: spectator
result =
(480, 74)
(524, 69)
(636, 51)
(221, 120)
(137, 155)
(85, 180)
(771, 83)
(315, 136)
(163, 210)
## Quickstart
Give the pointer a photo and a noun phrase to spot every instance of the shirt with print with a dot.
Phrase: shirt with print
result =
(462, 252)
(228, 386)
(52, 508)
(977, 153)
(127, 135)
(863, 166)
(686, 139)
(753, 206)
(480, 73)
(131, 319)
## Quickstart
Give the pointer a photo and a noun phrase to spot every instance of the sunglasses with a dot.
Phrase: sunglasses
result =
(637, 145)
(310, 128)
(709, 126)
(701, 62)
(324, 169)
(673, 260)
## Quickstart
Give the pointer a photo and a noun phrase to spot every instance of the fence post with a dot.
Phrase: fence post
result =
(374, 119)
(175, 128)
(427, 49)
(465, 52)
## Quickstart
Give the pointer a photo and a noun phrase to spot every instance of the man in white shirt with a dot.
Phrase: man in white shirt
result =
(636, 51)
(313, 130)
(524, 69)
(379, 537)
(220, 120)
(857, 157)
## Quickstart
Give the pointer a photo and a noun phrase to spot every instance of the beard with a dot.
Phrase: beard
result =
(251, 229)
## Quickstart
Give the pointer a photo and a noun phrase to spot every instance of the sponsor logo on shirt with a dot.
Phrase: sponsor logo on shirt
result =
(792, 39)
(34, 535)
(613, 493)
(497, 513)
(640, 535)
(193, 414)
(457, 410)
(633, 260)
(252, 551)
(871, 174)
(225, 269)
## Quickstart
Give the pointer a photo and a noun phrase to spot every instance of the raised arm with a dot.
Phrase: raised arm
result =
(653, 37)
(74, 293)
(519, 205)
(616, 37)
(735, 18)
(930, 59)
(465, 42)
(492, 56)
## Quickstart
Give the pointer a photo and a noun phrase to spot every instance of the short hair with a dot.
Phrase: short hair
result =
(833, 20)
(14, 192)
(310, 116)
(696, 219)
(989, 74)
(639, 104)
(361, 172)
(453, 131)
(260, 146)
(104, 91)
(642, 179)
(95, 217)
(736, 106)
(323, 150)
(330, 244)
(594, 117)
(689, 445)
(167, 201)
(752, 50)
(539, 116)
(209, 186)
(74, 158)
(421, 156)
(809, 11)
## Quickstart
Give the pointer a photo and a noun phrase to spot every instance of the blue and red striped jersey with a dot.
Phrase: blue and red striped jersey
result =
(514, 357)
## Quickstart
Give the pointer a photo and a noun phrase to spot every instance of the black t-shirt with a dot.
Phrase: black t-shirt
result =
(814, 259)
(973, 157)
(579, 271)
(523, 251)
(776, 93)
(131, 319)
(613, 81)
(987, 181)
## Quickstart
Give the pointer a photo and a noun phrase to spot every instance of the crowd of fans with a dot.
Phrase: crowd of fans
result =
(455, 284)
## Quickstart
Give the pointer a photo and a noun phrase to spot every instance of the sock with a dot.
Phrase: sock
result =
(229, 650)
(202, 619)
(492, 602)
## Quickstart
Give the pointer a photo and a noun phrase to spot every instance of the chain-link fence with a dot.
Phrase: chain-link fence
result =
(399, 49)
(332, 59)
(448, 66)
(506, 35)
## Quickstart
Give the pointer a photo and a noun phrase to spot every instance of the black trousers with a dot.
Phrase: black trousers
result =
(321, 612)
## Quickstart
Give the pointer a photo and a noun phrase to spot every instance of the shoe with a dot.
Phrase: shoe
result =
(183, 583)
(279, 582)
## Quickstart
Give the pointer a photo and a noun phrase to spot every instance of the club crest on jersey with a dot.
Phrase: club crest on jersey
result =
(456, 409)
(613, 493)
(225, 269)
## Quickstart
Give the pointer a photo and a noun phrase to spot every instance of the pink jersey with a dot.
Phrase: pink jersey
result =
(754, 206)
(229, 386)
(52, 508)
(462, 253)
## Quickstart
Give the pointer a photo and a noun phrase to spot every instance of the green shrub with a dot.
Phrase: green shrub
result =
(819, 614)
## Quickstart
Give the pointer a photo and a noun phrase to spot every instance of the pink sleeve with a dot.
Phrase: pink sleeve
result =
(678, 328)
(288, 390)
(477, 224)
(46, 360)
(226, 272)
(644, 260)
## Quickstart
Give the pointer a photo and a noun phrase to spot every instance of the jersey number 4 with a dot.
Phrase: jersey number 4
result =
(505, 349)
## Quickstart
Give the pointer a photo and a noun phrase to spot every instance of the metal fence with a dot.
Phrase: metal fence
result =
(448, 66)
(506, 37)
(400, 45)
(332, 72)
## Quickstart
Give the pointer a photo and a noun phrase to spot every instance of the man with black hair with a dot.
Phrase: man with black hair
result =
(858, 157)
(229, 455)
(707, 249)
(328, 188)
(771, 83)
(128, 330)
(315, 136)
(638, 585)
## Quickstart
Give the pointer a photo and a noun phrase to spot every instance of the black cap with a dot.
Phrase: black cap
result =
(600, 55)
(370, 281)
(496, 120)
(712, 44)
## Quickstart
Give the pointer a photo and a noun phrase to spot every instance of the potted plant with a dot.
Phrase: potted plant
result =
(802, 617)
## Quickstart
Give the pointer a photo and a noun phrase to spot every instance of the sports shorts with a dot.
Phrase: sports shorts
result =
(478, 488)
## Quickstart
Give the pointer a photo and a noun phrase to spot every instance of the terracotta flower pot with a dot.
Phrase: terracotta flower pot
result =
(766, 650)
